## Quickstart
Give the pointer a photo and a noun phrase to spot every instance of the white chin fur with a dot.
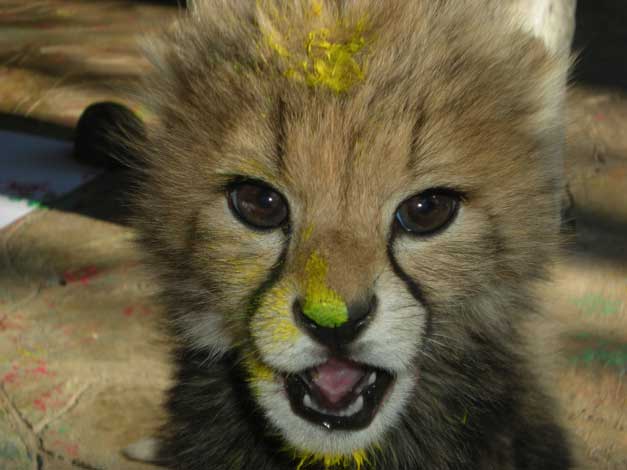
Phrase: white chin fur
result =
(144, 450)
(312, 438)
(390, 342)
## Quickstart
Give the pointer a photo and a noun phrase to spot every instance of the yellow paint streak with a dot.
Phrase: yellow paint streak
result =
(276, 46)
(28, 354)
(274, 319)
(246, 270)
(325, 60)
(333, 64)
(316, 8)
(357, 460)
(307, 232)
(257, 370)
(252, 168)
(322, 304)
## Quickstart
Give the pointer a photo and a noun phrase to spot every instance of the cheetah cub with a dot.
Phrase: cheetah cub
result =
(349, 205)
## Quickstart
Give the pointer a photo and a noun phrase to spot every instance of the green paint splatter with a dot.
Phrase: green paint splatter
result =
(9, 451)
(322, 304)
(29, 202)
(596, 304)
(62, 429)
(326, 314)
(603, 352)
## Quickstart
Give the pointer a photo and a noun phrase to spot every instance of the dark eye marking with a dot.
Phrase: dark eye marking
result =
(257, 204)
(428, 212)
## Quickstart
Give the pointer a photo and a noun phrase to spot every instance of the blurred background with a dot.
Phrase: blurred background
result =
(82, 363)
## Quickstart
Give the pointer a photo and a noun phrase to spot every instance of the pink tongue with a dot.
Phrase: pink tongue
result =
(336, 378)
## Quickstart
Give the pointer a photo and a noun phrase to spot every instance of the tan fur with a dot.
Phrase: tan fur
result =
(445, 100)
(349, 159)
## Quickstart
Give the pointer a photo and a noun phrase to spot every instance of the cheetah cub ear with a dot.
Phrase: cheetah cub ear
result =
(552, 21)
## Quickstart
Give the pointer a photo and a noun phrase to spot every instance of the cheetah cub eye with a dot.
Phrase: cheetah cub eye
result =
(428, 212)
(257, 205)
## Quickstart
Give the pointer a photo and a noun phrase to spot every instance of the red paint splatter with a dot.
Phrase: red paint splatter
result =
(137, 309)
(599, 117)
(9, 377)
(69, 448)
(50, 399)
(40, 404)
(83, 275)
(67, 330)
(12, 376)
(6, 324)
(41, 369)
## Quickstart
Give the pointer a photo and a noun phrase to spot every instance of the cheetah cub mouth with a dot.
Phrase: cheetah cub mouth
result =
(339, 394)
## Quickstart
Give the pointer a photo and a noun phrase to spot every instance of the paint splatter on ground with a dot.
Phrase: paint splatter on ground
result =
(593, 351)
(71, 351)
(78, 361)
(598, 304)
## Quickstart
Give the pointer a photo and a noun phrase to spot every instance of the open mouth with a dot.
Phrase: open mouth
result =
(339, 394)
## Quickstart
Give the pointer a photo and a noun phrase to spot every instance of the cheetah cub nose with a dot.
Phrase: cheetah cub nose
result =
(335, 331)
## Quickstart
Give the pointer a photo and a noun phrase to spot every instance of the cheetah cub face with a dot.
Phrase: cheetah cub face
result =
(351, 202)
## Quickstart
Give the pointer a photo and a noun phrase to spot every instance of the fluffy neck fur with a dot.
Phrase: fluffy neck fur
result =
(484, 428)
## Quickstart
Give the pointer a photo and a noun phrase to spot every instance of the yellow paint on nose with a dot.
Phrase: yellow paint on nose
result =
(322, 304)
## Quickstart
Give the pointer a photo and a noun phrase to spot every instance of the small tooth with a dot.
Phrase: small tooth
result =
(372, 379)
(307, 401)
(355, 407)
(352, 409)
(359, 403)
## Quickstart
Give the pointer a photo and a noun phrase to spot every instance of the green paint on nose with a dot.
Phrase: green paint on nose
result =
(328, 315)
(322, 304)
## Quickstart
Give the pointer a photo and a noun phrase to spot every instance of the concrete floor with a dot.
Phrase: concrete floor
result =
(82, 360)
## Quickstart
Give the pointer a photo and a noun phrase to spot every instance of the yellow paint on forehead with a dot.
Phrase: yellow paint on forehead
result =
(316, 7)
(276, 46)
(307, 231)
(322, 304)
(323, 61)
(333, 64)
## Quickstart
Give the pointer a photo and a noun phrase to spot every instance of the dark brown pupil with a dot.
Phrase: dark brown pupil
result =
(258, 205)
(426, 212)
